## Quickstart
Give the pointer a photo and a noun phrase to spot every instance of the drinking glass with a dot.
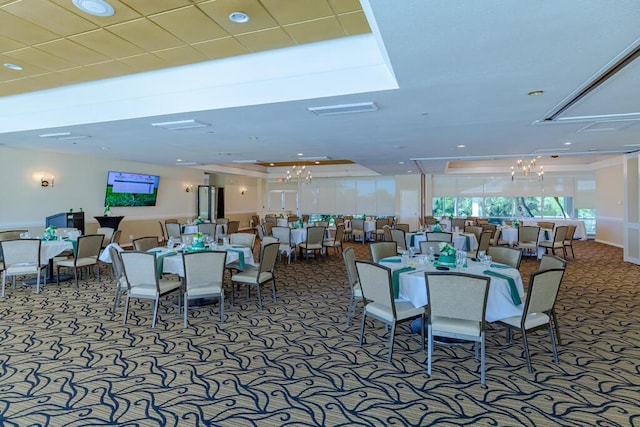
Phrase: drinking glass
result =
(461, 259)
(487, 260)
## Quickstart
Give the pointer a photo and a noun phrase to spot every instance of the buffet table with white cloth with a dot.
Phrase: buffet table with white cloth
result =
(461, 241)
(500, 301)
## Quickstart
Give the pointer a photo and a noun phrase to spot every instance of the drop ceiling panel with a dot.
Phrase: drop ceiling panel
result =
(19, 29)
(50, 16)
(145, 34)
(354, 23)
(10, 44)
(189, 24)
(40, 58)
(259, 18)
(180, 56)
(107, 43)
(273, 38)
(222, 48)
(144, 62)
(149, 7)
(288, 12)
(313, 31)
(96, 71)
(71, 52)
(122, 13)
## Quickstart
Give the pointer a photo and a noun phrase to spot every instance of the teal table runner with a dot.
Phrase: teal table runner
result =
(412, 242)
(397, 260)
(395, 279)
(494, 265)
(160, 261)
(515, 297)
(240, 257)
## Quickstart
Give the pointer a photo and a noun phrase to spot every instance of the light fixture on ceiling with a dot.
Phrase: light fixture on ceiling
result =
(188, 188)
(299, 174)
(524, 170)
(95, 7)
(238, 17)
(63, 136)
(243, 190)
(181, 124)
(330, 110)
(535, 92)
(47, 182)
(11, 66)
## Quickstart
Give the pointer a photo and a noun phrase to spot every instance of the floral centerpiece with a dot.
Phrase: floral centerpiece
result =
(437, 227)
(198, 241)
(107, 210)
(199, 220)
(49, 233)
(447, 254)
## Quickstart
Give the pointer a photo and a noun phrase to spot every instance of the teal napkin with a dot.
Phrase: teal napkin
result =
(468, 242)
(160, 261)
(391, 260)
(412, 242)
(395, 279)
(546, 235)
(74, 243)
(515, 297)
(494, 265)
(240, 258)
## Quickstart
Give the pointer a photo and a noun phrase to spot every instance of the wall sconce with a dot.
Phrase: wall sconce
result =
(188, 188)
(47, 182)
(243, 190)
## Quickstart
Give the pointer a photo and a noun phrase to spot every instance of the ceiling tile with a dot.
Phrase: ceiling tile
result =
(122, 13)
(106, 43)
(20, 86)
(28, 69)
(149, 7)
(72, 52)
(345, 6)
(181, 55)
(273, 38)
(189, 24)
(19, 29)
(313, 31)
(221, 48)
(96, 72)
(288, 12)
(39, 58)
(49, 16)
(144, 62)
(10, 44)
(219, 10)
(354, 23)
(145, 34)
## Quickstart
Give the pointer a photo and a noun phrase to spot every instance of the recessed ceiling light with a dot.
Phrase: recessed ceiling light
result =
(105, 148)
(402, 163)
(272, 164)
(238, 17)
(178, 160)
(253, 138)
(300, 154)
(181, 124)
(317, 162)
(535, 92)
(461, 145)
(94, 7)
(12, 66)
(567, 143)
(54, 135)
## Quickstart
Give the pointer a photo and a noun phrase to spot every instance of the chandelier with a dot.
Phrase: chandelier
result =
(299, 173)
(524, 170)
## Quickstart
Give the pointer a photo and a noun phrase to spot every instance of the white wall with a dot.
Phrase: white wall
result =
(609, 204)
(80, 182)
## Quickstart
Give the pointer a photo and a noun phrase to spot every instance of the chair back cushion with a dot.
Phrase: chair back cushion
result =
(528, 233)
(140, 268)
(543, 290)
(375, 281)
(379, 250)
(244, 239)
(89, 246)
(437, 236)
(505, 255)
(457, 295)
(201, 268)
(315, 235)
(283, 234)
(269, 256)
(20, 251)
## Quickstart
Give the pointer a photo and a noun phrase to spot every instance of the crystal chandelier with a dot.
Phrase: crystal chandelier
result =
(299, 173)
(524, 170)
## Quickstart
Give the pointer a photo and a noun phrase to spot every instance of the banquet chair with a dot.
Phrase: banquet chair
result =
(268, 228)
(324, 224)
(223, 221)
(528, 236)
(403, 227)
(336, 242)
(505, 255)
(557, 243)
(397, 236)
(256, 276)
(86, 255)
(476, 230)
(483, 244)
(377, 292)
(357, 229)
(315, 237)
(244, 239)
(283, 235)
(547, 225)
(380, 250)
(204, 278)
(233, 227)
(426, 244)
(107, 232)
(439, 236)
(495, 237)
(21, 257)
(458, 222)
(271, 220)
(208, 228)
(141, 272)
(173, 229)
(118, 276)
(260, 230)
(457, 306)
(429, 221)
(163, 234)
(355, 291)
(380, 223)
(550, 261)
(143, 244)
(538, 307)
(568, 239)
(387, 233)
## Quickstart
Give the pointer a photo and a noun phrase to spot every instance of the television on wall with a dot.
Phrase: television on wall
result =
(131, 189)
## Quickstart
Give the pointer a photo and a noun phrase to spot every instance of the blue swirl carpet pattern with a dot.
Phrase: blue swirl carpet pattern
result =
(64, 362)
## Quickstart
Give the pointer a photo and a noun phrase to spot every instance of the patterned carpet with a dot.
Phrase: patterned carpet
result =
(63, 362)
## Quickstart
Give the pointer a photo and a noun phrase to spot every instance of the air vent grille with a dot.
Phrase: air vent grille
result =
(331, 110)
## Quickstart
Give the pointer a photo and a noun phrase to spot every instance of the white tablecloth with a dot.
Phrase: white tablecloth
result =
(581, 231)
(510, 235)
(299, 235)
(174, 265)
(459, 241)
(51, 248)
(413, 288)
(191, 229)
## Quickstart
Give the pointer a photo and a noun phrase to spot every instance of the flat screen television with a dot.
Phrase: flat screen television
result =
(131, 189)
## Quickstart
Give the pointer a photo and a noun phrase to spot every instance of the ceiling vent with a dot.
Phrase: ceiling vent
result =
(181, 124)
(332, 110)
(607, 126)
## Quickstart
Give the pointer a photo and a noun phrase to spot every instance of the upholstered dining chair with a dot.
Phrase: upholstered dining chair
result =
(315, 237)
(244, 239)
(357, 230)
(559, 235)
(528, 237)
(377, 292)
(457, 306)
(568, 239)
(118, 276)
(538, 307)
(208, 228)
(476, 230)
(21, 257)
(233, 227)
(143, 244)
(546, 225)
(439, 236)
(380, 250)
(426, 244)
(458, 222)
(387, 233)
(163, 234)
(107, 232)
(256, 276)
(505, 255)
(334, 243)
(283, 235)
(380, 223)
(403, 227)
(86, 255)
(355, 291)
(398, 236)
(483, 244)
(203, 278)
(173, 229)
(141, 272)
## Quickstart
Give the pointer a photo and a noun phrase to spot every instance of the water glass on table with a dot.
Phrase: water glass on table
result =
(461, 259)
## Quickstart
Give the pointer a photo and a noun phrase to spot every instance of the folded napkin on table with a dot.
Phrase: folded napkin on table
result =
(391, 260)
(494, 265)
(160, 260)
(515, 297)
